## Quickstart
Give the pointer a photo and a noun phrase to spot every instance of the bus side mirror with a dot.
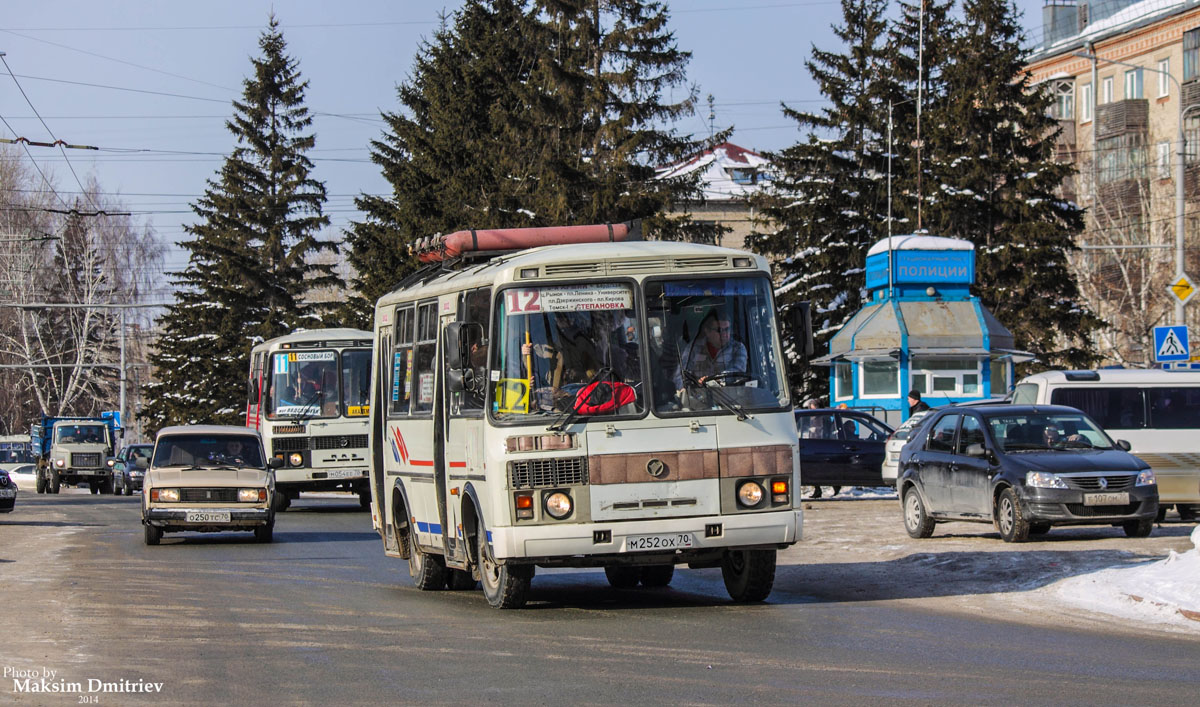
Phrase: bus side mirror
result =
(801, 321)
(452, 338)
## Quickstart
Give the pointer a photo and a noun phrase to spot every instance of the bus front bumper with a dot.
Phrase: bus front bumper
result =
(679, 538)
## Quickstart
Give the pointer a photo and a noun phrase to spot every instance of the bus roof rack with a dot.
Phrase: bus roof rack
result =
(487, 243)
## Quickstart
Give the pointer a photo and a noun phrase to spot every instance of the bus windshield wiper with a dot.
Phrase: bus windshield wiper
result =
(303, 416)
(718, 395)
(573, 414)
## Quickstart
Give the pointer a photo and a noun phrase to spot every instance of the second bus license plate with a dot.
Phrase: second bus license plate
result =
(669, 541)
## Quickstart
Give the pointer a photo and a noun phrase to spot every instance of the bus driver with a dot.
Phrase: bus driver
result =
(713, 352)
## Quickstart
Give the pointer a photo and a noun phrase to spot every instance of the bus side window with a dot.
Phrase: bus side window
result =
(401, 372)
(423, 352)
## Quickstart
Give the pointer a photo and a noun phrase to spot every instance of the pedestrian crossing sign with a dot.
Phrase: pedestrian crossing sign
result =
(1171, 343)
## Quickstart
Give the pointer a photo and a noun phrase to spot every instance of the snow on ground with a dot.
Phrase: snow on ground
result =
(1165, 591)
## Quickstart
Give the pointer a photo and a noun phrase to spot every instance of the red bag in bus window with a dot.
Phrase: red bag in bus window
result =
(603, 396)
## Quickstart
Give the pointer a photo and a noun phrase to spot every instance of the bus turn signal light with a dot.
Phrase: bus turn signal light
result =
(779, 491)
(524, 506)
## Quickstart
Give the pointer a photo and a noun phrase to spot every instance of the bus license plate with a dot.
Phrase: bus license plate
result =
(207, 517)
(672, 541)
(1106, 499)
(345, 473)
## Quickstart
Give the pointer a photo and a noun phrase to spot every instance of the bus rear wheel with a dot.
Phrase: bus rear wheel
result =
(428, 571)
(504, 586)
(748, 574)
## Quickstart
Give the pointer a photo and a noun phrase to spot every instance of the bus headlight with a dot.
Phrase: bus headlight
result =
(558, 505)
(296, 459)
(750, 494)
(251, 495)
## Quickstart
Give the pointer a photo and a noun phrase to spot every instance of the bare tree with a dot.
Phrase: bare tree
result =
(75, 261)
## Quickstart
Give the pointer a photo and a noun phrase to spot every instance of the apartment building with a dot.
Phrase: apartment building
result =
(1125, 77)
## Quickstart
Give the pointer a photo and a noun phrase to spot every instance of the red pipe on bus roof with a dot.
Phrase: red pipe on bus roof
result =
(431, 250)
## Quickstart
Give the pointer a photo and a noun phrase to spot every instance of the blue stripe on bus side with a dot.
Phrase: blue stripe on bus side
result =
(429, 528)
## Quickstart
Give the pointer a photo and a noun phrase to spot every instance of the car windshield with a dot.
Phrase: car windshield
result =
(1047, 431)
(139, 450)
(567, 347)
(208, 450)
(906, 428)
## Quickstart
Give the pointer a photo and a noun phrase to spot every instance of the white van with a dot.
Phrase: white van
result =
(1157, 411)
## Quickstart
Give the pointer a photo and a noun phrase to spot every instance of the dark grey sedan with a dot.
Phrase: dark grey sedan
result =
(1024, 469)
(127, 476)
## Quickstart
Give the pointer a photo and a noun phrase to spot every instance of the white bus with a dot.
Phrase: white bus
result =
(1156, 411)
(309, 399)
(532, 410)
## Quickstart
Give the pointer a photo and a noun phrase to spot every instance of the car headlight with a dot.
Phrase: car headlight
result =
(1147, 478)
(750, 494)
(60, 463)
(252, 495)
(1044, 480)
(296, 459)
(558, 505)
(165, 495)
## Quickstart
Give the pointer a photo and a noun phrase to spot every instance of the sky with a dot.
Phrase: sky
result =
(150, 83)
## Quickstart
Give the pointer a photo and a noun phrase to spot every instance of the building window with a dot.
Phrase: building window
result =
(881, 377)
(1064, 101)
(1164, 160)
(843, 381)
(999, 377)
(743, 176)
(1085, 102)
(1164, 78)
(1106, 90)
(1191, 53)
(1121, 157)
(1191, 137)
(945, 377)
(1133, 84)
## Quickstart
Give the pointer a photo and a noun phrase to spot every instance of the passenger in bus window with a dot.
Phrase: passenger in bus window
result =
(714, 351)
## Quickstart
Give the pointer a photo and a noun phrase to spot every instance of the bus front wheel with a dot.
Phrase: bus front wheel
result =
(748, 574)
(504, 586)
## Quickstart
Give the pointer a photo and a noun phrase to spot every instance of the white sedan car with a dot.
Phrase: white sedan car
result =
(891, 456)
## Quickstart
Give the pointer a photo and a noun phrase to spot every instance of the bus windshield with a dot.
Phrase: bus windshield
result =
(567, 347)
(356, 379)
(304, 384)
(712, 345)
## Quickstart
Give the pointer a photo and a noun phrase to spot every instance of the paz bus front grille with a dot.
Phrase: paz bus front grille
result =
(547, 473)
(340, 442)
(289, 444)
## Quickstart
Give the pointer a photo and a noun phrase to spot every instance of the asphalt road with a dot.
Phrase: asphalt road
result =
(320, 616)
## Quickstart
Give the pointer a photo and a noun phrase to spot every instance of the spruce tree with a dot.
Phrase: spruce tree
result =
(520, 114)
(828, 203)
(249, 266)
(991, 158)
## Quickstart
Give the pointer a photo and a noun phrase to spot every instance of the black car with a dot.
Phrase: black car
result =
(841, 447)
(1023, 468)
(8, 492)
(127, 476)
